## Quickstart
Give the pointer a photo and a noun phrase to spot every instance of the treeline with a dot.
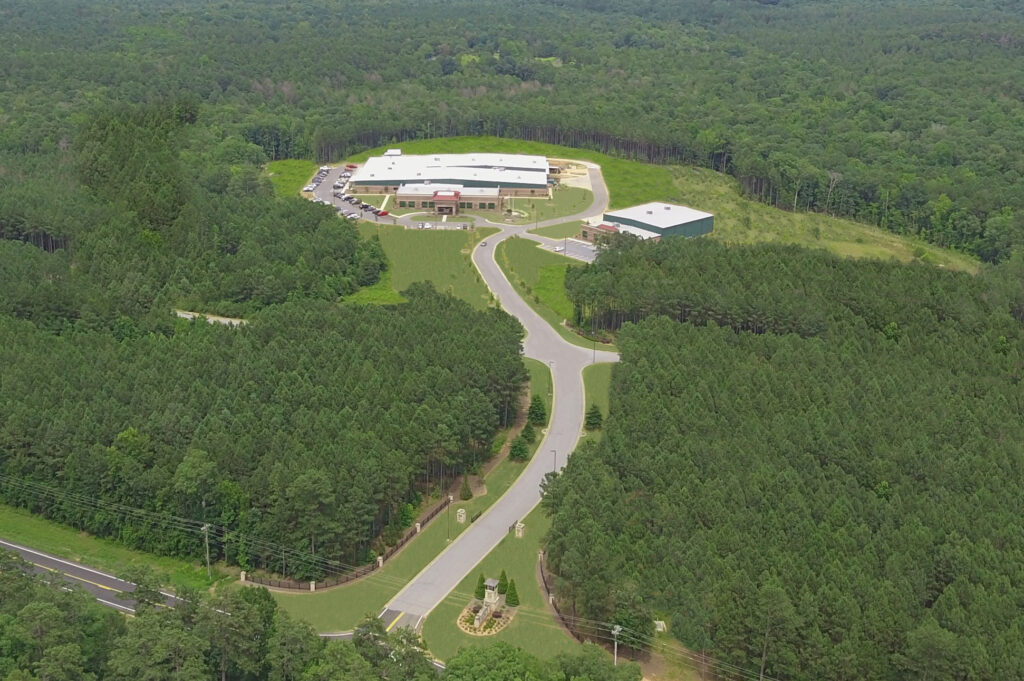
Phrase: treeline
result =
(50, 633)
(775, 288)
(903, 114)
(302, 434)
(840, 506)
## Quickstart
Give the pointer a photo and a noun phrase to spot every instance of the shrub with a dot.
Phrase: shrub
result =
(512, 597)
(465, 493)
(479, 593)
(594, 420)
(519, 451)
(529, 433)
(538, 412)
(503, 583)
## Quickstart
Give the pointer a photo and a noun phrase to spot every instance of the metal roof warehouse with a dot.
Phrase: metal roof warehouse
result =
(508, 171)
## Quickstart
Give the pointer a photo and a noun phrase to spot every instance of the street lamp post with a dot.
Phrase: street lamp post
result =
(616, 630)
(554, 461)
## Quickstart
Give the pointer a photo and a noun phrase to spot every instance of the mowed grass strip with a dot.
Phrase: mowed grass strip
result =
(21, 527)
(289, 176)
(597, 382)
(534, 627)
(441, 257)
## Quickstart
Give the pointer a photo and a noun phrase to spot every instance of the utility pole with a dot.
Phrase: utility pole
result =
(554, 461)
(206, 540)
(616, 630)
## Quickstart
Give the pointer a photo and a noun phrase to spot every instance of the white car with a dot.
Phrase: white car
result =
(309, 188)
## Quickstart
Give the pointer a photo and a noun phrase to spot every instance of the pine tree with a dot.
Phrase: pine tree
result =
(519, 451)
(512, 596)
(529, 433)
(538, 412)
(594, 420)
(465, 493)
(503, 583)
(479, 593)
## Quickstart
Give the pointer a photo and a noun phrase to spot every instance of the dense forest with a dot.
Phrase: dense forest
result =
(300, 434)
(817, 474)
(904, 113)
(50, 633)
(302, 437)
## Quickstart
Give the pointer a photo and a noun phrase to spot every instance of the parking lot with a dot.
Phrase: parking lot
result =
(572, 248)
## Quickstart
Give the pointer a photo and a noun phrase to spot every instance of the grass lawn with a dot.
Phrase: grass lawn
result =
(438, 256)
(540, 275)
(21, 527)
(566, 229)
(533, 629)
(597, 381)
(540, 380)
(373, 199)
(741, 220)
(564, 201)
(290, 175)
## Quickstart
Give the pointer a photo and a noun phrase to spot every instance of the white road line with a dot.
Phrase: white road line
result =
(65, 562)
(116, 605)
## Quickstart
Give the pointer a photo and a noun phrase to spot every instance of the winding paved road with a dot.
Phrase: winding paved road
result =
(566, 361)
(443, 574)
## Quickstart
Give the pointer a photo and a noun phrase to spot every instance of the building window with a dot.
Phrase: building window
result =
(401, 204)
(423, 204)
(490, 205)
(585, 234)
(483, 205)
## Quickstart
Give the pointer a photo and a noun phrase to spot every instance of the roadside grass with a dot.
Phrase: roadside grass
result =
(289, 176)
(21, 527)
(566, 229)
(744, 221)
(524, 262)
(540, 380)
(439, 256)
(564, 201)
(534, 627)
(737, 219)
(341, 608)
(597, 381)
(542, 271)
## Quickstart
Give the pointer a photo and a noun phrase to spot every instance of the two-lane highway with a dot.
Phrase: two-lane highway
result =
(108, 589)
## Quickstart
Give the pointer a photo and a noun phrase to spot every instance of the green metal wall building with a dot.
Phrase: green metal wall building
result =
(662, 219)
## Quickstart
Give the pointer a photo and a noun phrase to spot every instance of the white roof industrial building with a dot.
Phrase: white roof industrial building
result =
(468, 170)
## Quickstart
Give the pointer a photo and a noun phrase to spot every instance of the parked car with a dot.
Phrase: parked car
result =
(382, 213)
(483, 243)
